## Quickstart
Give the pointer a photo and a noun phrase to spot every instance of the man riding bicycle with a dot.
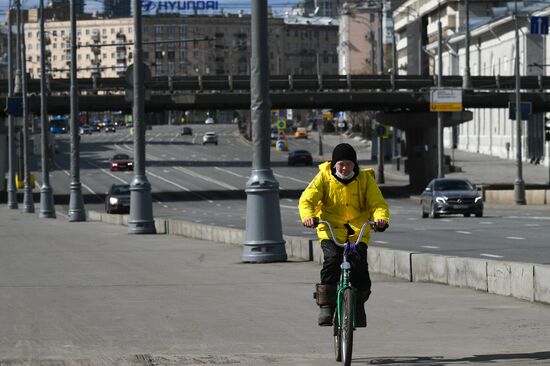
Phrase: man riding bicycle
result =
(347, 197)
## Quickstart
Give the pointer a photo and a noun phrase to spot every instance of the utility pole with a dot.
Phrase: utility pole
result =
(440, 157)
(28, 203)
(76, 201)
(12, 190)
(47, 209)
(519, 184)
(141, 219)
(380, 47)
(467, 78)
(264, 235)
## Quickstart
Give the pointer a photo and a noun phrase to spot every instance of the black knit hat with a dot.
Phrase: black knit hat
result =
(344, 152)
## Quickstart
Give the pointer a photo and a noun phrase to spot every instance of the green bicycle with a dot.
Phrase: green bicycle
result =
(344, 316)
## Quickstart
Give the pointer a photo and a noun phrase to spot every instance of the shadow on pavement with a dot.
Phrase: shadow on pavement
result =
(474, 360)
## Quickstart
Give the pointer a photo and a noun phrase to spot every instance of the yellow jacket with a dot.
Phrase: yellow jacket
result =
(354, 203)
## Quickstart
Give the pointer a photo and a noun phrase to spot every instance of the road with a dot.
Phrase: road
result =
(87, 293)
(205, 184)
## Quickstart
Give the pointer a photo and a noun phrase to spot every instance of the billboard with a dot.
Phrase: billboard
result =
(179, 6)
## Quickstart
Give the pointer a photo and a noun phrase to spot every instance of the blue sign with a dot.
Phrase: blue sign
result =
(539, 25)
(149, 6)
(526, 108)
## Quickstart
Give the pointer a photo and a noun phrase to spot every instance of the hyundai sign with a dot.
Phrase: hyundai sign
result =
(154, 7)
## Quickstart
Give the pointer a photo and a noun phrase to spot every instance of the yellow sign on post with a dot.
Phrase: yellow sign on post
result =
(445, 100)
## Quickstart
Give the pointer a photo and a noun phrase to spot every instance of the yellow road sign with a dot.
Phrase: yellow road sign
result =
(446, 107)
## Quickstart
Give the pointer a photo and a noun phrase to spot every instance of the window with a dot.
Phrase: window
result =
(145, 56)
(113, 55)
(158, 69)
(171, 55)
(87, 32)
(112, 30)
(158, 55)
(62, 33)
(29, 35)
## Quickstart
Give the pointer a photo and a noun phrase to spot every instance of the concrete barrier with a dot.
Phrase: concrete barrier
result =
(525, 281)
(532, 196)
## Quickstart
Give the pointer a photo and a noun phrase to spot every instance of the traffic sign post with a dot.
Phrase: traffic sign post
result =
(446, 100)
(281, 124)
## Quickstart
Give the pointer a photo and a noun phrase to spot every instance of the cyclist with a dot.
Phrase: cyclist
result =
(346, 196)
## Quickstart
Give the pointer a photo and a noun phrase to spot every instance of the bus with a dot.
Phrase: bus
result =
(58, 124)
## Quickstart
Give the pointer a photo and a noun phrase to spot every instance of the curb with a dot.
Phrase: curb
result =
(525, 281)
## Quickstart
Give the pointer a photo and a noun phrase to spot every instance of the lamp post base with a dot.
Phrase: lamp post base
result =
(519, 192)
(76, 204)
(47, 208)
(12, 198)
(28, 203)
(141, 219)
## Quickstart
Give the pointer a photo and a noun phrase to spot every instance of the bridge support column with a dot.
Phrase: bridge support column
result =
(421, 137)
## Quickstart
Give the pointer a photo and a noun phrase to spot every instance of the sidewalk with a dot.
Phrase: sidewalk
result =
(89, 293)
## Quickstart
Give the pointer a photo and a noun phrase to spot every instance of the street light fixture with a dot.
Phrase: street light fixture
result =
(519, 184)
(76, 201)
(47, 209)
(12, 190)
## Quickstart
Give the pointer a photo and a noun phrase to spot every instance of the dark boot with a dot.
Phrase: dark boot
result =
(360, 316)
(325, 296)
(325, 315)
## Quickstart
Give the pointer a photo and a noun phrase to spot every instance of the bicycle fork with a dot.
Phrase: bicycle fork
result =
(342, 285)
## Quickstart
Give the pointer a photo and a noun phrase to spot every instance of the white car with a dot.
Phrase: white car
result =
(210, 138)
(209, 121)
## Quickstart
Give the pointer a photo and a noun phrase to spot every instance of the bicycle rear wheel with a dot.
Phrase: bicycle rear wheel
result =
(347, 326)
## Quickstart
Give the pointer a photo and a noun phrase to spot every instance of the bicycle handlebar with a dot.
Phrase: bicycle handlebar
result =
(343, 244)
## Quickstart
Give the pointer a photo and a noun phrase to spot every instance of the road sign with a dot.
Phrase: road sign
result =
(382, 131)
(282, 135)
(281, 145)
(446, 100)
(281, 124)
(526, 108)
(539, 25)
(15, 106)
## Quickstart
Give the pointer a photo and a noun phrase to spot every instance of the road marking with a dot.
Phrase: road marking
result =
(381, 242)
(206, 178)
(514, 238)
(229, 172)
(490, 255)
(486, 223)
(180, 187)
(429, 247)
(463, 232)
(108, 172)
(532, 225)
(291, 178)
(84, 185)
(530, 217)
(289, 207)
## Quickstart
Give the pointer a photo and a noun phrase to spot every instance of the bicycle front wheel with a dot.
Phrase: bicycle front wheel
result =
(347, 326)
(337, 332)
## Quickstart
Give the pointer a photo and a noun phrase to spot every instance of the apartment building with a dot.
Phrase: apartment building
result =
(185, 45)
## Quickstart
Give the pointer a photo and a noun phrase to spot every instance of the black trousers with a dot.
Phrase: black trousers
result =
(333, 255)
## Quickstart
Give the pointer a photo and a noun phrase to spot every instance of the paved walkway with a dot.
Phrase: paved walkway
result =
(90, 294)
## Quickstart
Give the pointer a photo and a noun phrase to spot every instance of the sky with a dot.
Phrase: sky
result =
(229, 6)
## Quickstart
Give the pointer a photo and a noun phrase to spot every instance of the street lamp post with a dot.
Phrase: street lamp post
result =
(467, 78)
(47, 209)
(28, 203)
(141, 219)
(264, 235)
(76, 201)
(440, 156)
(519, 184)
(380, 179)
(12, 190)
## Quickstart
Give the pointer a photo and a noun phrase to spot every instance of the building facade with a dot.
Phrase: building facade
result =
(117, 8)
(185, 45)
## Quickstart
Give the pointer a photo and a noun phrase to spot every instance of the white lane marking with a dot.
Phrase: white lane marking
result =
(463, 232)
(530, 217)
(173, 138)
(165, 171)
(291, 178)
(429, 247)
(289, 207)
(490, 255)
(108, 173)
(381, 242)
(206, 178)
(486, 223)
(179, 186)
(83, 185)
(229, 172)
(532, 225)
(514, 238)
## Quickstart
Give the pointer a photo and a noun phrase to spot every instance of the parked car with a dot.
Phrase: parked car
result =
(109, 128)
(186, 131)
(121, 162)
(117, 200)
(300, 157)
(445, 196)
(301, 133)
(210, 138)
(85, 130)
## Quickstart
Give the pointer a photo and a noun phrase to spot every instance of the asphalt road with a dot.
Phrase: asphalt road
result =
(87, 293)
(205, 184)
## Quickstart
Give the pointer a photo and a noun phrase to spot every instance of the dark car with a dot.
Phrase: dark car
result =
(117, 199)
(186, 131)
(300, 157)
(121, 162)
(446, 196)
(109, 128)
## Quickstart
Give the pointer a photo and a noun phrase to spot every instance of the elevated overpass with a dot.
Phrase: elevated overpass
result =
(401, 101)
